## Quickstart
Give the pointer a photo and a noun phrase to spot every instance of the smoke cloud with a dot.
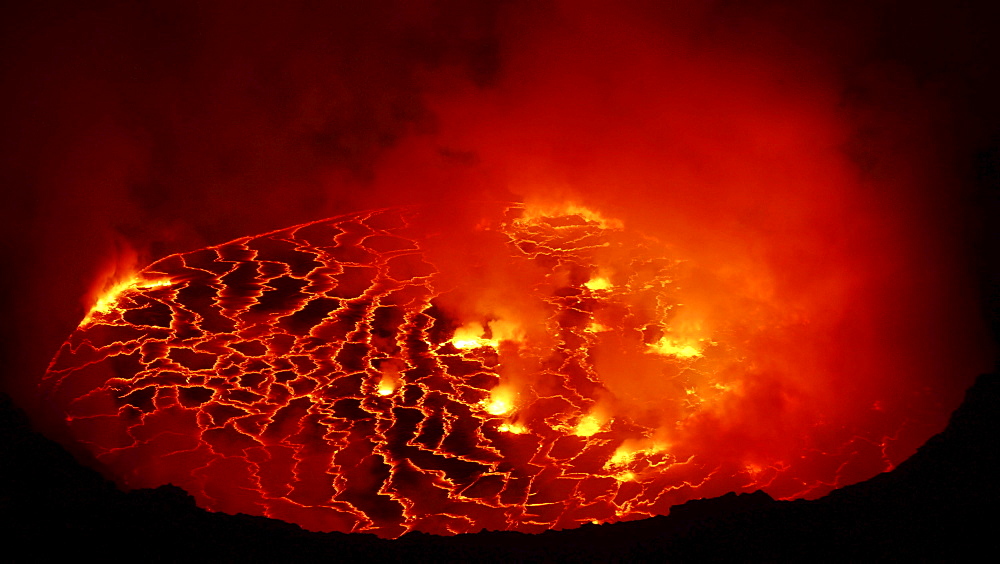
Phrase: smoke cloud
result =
(826, 170)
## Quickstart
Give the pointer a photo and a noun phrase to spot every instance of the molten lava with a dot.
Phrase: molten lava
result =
(370, 373)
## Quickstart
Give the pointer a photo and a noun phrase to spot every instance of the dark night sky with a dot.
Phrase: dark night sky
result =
(135, 130)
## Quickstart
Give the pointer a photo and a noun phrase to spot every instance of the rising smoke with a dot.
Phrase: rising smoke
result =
(814, 164)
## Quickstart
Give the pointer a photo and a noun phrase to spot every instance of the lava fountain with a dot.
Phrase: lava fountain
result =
(538, 368)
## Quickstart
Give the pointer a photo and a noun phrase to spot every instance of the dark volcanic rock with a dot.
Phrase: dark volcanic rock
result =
(935, 506)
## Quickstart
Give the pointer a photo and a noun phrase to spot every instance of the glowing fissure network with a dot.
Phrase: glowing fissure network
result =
(336, 376)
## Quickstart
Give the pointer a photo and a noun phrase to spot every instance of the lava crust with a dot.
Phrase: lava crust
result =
(343, 376)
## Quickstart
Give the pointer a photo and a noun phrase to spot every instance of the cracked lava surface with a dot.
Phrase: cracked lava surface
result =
(368, 373)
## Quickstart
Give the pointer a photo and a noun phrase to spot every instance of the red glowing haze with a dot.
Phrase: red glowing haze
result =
(807, 186)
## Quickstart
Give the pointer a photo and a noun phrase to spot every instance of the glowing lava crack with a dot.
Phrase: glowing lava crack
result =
(343, 376)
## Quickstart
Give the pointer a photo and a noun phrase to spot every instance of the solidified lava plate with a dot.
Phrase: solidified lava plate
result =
(373, 373)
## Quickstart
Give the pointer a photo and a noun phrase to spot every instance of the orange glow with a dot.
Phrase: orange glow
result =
(515, 429)
(390, 379)
(469, 336)
(538, 211)
(669, 347)
(500, 402)
(108, 299)
(598, 283)
(588, 426)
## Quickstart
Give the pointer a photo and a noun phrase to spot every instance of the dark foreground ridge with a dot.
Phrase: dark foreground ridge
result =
(937, 506)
